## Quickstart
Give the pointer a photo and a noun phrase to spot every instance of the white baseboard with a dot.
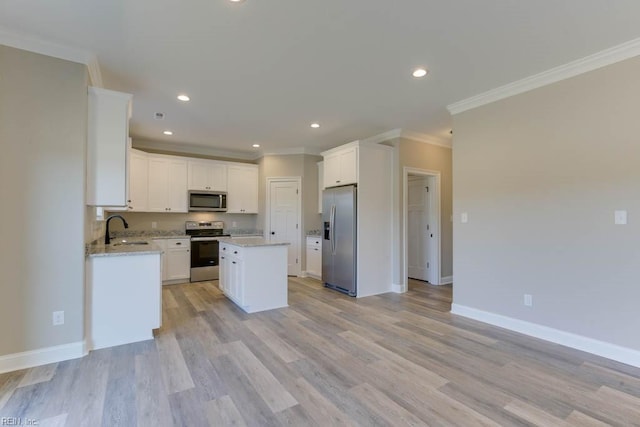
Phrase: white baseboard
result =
(398, 288)
(568, 339)
(43, 356)
(446, 280)
(313, 276)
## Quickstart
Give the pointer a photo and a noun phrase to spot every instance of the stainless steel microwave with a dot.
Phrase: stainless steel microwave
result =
(207, 201)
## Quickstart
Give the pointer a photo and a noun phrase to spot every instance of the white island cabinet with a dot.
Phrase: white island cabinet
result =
(253, 273)
(123, 295)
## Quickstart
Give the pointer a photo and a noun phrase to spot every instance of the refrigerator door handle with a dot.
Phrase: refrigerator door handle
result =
(333, 229)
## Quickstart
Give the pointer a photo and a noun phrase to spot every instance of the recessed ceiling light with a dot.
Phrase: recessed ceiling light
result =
(236, 1)
(184, 98)
(168, 132)
(256, 145)
(420, 72)
(315, 125)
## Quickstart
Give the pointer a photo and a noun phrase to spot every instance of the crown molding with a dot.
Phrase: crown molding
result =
(600, 59)
(30, 43)
(383, 137)
(201, 150)
(414, 136)
(292, 150)
(426, 139)
(95, 76)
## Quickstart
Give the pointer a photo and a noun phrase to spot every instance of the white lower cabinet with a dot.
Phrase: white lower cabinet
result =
(176, 259)
(254, 277)
(314, 256)
(124, 299)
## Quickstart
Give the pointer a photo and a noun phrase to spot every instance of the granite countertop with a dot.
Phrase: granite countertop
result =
(150, 234)
(244, 232)
(100, 249)
(252, 242)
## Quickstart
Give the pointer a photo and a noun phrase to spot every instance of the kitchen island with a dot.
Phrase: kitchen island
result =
(123, 293)
(253, 273)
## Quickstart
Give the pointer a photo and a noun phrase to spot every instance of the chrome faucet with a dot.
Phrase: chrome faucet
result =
(107, 238)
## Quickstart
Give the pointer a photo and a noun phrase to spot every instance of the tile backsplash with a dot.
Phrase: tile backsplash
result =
(143, 221)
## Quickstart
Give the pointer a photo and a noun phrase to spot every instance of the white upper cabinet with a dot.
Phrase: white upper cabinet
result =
(207, 175)
(167, 184)
(341, 167)
(107, 147)
(242, 188)
(138, 181)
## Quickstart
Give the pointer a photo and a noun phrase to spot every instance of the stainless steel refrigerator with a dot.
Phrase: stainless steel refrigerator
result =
(339, 238)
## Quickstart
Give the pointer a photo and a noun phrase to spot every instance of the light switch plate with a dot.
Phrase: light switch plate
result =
(620, 217)
(464, 217)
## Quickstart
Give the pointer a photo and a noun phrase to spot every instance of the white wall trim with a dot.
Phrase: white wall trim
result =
(44, 47)
(42, 356)
(382, 137)
(292, 150)
(95, 75)
(188, 149)
(405, 216)
(578, 342)
(413, 136)
(398, 288)
(600, 59)
(446, 280)
(426, 139)
(267, 216)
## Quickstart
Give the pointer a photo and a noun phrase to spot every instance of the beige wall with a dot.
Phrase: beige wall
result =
(43, 128)
(540, 176)
(430, 157)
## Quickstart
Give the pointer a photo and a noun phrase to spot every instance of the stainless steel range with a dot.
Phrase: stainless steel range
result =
(204, 249)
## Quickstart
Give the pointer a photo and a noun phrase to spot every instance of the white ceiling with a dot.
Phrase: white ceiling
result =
(262, 71)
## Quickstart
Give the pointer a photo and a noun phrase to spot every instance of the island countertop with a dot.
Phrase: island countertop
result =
(249, 242)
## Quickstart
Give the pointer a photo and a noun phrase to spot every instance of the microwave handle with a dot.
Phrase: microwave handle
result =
(220, 198)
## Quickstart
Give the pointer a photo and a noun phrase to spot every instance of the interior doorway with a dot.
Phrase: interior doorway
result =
(421, 226)
(283, 220)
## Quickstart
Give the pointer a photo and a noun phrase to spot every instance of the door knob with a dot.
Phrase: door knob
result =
(273, 232)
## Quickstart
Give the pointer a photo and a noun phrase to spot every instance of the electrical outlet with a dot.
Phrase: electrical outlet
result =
(464, 217)
(528, 300)
(620, 217)
(234, 224)
(58, 318)
(154, 224)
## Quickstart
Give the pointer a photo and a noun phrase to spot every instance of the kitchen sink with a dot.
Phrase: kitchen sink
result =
(130, 243)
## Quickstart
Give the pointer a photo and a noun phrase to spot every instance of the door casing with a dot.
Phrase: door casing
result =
(435, 255)
(267, 224)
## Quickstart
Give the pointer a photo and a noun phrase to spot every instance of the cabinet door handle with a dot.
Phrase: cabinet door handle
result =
(222, 257)
(235, 252)
(233, 262)
(178, 243)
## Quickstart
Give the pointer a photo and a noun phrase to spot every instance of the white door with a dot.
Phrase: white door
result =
(284, 214)
(419, 229)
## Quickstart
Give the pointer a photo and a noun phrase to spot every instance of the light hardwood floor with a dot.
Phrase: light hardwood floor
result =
(327, 359)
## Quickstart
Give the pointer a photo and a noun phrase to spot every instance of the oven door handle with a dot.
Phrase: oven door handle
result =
(204, 239)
